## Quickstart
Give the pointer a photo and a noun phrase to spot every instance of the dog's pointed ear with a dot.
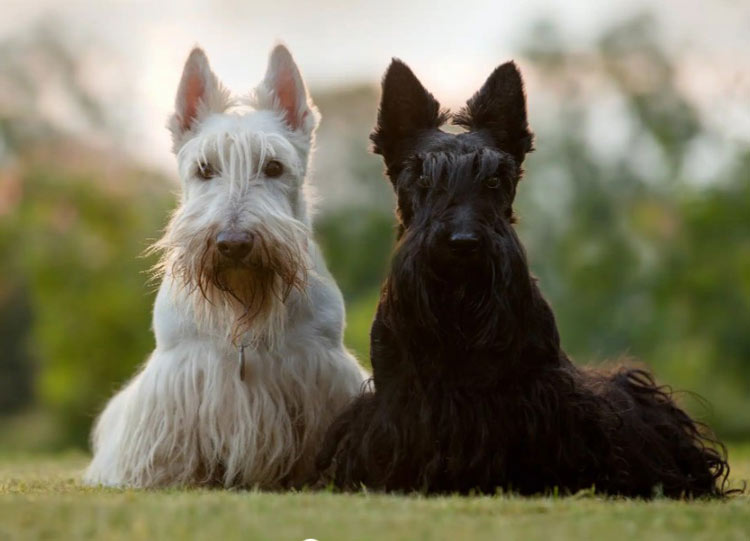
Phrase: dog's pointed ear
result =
(500, 108)
(199, 94)
(406, 108)
(283, 89)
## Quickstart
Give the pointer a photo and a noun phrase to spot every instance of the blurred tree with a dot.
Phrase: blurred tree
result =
(635, 254)
(34, 66)
(85, 284)
(15, 361)
(357, 243)
(73, 221)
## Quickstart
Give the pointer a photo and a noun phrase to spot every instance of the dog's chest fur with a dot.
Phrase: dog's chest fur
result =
(197, 422)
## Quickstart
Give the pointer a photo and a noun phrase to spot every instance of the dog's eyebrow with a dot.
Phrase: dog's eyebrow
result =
(491, 162)
(476, 163)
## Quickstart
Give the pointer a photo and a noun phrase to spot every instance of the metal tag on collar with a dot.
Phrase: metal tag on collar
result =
(241, 359)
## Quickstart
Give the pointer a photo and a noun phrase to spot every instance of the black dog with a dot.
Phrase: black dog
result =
(472, 390)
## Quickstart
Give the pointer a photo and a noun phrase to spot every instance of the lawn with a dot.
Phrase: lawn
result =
(40, 498)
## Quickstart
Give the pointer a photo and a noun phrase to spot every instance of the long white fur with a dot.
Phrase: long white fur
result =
(187, 418)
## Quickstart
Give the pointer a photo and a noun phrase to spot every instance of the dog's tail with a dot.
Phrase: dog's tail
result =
(666, 447)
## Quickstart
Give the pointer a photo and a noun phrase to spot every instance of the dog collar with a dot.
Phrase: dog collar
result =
(241, 360)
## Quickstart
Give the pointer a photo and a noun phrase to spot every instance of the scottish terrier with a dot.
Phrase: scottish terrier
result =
(249, 367)
(472, 391)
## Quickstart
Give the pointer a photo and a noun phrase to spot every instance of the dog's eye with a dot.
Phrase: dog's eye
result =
(273, 169)
(205, 171)
(424, 181)
(492, 182)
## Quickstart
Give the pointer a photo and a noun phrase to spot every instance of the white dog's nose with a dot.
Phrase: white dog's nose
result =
(234, 245)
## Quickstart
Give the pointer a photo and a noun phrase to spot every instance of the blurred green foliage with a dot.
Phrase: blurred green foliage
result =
(638, 253)
(639, 250)
(357, 244)
(77, 246)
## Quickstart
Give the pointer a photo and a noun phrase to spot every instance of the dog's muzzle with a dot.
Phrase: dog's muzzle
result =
(234, 245)
(458, 247)
(463, 243)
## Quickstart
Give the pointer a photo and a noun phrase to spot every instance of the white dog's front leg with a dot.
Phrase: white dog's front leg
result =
(107, 441)
(145, 436)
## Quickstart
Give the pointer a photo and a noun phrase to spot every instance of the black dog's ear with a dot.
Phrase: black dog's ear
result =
(500, 108)
(406, 108)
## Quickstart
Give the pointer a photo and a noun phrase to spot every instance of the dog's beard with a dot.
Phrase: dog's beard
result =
(478, 304)
(249, 298)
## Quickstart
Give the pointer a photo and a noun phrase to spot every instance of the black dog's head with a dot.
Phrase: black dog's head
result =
(455, 193)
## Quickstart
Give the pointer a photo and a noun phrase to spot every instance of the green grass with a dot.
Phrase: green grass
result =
(41, 498)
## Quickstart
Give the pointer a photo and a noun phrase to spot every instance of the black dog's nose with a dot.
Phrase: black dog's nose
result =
(234, 245)
(463, 242)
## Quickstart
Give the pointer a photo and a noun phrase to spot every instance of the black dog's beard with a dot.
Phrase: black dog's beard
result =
(469, 305)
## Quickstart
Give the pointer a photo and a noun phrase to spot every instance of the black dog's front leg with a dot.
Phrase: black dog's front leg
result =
(358, 448)
(385, 352)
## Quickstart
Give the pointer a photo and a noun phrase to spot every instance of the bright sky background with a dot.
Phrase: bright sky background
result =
(451, 45)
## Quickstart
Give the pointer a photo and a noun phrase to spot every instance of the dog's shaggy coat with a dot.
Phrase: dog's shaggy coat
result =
(191, 416)
(472, 391)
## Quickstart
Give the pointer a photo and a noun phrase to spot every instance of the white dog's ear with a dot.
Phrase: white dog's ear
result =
(284, 90)
(199, 94)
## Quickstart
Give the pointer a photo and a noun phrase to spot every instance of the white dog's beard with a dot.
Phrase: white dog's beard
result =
(248, 298)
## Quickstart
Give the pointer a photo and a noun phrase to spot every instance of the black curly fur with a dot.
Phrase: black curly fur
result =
(472, 389)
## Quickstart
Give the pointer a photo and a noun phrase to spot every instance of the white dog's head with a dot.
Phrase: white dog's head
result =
(239, 239)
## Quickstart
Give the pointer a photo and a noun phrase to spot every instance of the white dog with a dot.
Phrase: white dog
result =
(249, 368)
